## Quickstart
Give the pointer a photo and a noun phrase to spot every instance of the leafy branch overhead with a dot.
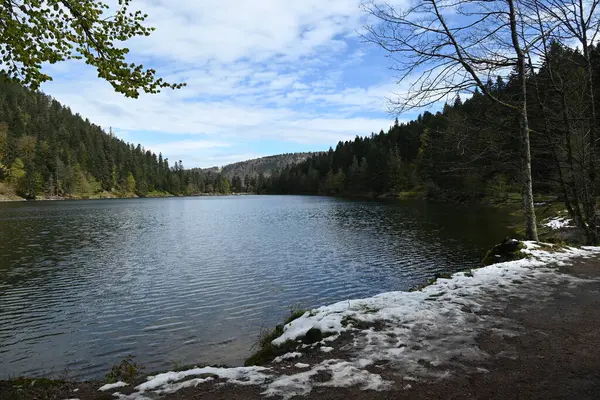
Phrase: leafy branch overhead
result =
(34, 32)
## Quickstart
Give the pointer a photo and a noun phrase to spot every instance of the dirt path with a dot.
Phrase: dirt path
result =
(556, 355)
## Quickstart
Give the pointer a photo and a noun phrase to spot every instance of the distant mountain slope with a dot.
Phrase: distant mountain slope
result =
(265, 165)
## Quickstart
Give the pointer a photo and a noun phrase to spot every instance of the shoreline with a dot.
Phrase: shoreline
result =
(112, 196)
(407, 329)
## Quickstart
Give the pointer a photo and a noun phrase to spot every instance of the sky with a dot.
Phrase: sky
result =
(263, 77)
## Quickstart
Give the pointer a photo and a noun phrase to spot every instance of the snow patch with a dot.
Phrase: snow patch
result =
(558, 223)
(343, 374)
(331, 338)
(287, 356)
(300, 326)
(288, 386)
(133, 396)
(110, 386)
(301, 365)
(239, 375)
(326, 349)
(169, 389)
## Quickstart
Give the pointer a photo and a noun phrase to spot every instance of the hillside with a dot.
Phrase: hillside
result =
(46, 151)
(265, 165)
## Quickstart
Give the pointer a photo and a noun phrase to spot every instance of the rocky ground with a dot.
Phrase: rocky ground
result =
(536, 339)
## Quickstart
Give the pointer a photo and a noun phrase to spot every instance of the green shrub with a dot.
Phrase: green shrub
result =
(294, 314)
(126, 371)
(267, 352)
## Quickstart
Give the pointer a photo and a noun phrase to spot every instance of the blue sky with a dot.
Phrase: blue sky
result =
(264, 77)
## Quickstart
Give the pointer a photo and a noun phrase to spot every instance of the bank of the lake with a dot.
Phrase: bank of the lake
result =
(478, 335)
(6, 197)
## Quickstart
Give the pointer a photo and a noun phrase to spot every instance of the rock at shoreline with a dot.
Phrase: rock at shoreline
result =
(507, 250)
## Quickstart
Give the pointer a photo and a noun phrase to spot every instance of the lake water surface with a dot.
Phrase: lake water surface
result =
(193, 280)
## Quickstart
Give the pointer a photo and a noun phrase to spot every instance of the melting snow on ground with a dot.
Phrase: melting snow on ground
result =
(287, 356)
(343, 374)
(240, 375)
(417, 335)
(111, 386)
(558, 223)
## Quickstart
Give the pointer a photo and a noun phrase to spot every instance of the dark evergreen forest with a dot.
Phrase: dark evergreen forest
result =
(469, 149)
(46, 150)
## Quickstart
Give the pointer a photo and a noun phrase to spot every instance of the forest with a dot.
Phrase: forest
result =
(470, 149)
(46, 150)
(464, 152)
(264, 165)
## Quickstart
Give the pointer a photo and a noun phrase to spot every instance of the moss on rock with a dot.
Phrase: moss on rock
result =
(507, 250)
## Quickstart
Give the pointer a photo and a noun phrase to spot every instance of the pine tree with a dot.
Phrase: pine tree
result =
(395, 178)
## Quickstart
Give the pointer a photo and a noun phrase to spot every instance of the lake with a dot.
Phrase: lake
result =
(194, 280)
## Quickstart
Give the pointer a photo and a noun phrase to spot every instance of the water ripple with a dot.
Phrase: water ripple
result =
(83, 284)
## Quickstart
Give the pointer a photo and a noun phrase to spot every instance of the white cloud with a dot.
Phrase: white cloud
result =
(220, 160)
(300, 86)
(256, 70)
(186, 146)
(230, 30)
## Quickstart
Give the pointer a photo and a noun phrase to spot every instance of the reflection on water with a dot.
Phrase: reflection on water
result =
(83, 284)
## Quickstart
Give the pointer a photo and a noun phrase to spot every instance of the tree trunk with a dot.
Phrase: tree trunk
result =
(528, 207)
(590, 200)
(575, 212)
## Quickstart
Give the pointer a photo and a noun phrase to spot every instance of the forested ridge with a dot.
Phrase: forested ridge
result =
(467, 150)
(47, 150)
(264, 165)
